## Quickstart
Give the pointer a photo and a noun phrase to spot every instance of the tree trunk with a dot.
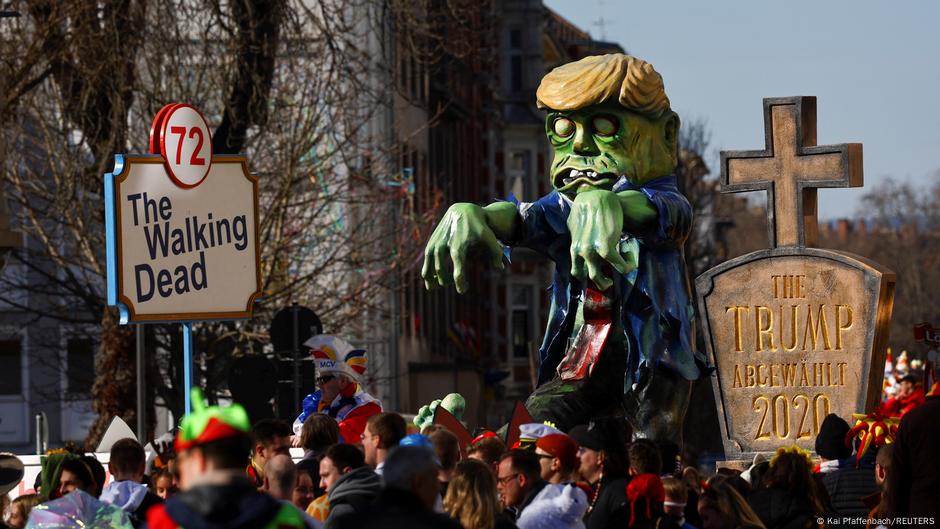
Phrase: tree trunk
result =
(113, 394)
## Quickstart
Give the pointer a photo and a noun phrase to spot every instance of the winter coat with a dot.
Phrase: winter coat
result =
(352, 493)
(131, 497)
(514, 512)
(611, 508)
(397, 509)
(914, 478)
(779, 509)
(848, 484)
(237, 505)
(555, 507)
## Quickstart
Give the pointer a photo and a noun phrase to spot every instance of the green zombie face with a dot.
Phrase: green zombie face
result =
(596, 145)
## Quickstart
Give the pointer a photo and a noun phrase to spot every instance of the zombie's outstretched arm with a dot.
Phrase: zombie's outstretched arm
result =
(466, 226)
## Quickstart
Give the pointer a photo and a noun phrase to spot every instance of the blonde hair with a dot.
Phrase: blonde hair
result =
(25, 504)
(632, 82)
(471, 495)
(720, 496)
(676, 489)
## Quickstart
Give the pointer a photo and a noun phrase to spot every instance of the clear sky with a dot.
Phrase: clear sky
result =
(874, 67)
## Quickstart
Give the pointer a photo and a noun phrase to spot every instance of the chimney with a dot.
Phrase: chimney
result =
(843, 227)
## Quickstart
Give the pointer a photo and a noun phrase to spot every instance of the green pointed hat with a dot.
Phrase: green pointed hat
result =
(210, 423)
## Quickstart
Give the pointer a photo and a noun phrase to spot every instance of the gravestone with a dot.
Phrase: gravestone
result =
(795, 332)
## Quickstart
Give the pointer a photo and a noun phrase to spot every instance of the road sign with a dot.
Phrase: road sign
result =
(183, 247)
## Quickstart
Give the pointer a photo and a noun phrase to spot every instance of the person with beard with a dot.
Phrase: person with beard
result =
(215, 491)
(518, 480)
(603, 468)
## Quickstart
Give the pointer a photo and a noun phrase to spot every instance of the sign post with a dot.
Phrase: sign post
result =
(182, 231)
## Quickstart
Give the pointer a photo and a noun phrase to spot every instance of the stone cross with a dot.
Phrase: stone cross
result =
(790, 168)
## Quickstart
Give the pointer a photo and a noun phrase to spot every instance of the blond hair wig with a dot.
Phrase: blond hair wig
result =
(632, 82)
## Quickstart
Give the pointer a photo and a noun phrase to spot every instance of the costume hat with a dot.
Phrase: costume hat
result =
(210, 423)
(333, 355)
(11, 472)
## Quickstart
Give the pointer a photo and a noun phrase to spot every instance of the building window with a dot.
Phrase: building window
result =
(522, 317)
(520, 175)
(515, 39)
(515, 73)
(80, 374)
(11, 376)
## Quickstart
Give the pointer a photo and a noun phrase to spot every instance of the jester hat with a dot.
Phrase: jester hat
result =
(333, 355)
(210, 423)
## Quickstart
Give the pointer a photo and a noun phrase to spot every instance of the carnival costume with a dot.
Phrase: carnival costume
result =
(353, 406)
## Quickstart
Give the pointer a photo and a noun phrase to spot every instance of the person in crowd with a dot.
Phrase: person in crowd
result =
(559, 506)
(76, 494)
(692, 480)
(319, 432)
(645, 497)
(846, 480)
(644, 458)
(603, 468)
(675, 500)
(340, 395)
(487, 447)
(914, 479)
(280, 482)
(12, 470)
(339, 459)
(531, 432)
(408, 497)
(733, 477)
(269, 438)
(558, 458)
(126, 489)
(471, 500)
(74, 474)
(211, 447)
(356, 486)
(280, 477)
(879, 500)
(308, 480)
(722, 507)
(98, 474)
(789, 495)
(755, 473)
(20, 509)
(518, 480)
(164, 483)
(909, 396)
(447, 449)
(382, 432)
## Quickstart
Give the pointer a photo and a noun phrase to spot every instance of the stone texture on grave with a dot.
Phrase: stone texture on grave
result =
(794, 332)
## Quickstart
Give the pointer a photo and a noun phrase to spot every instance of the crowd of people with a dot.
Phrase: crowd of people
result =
(225, 473)
(365, 468)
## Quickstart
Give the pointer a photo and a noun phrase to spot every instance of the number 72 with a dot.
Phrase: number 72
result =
(195, 131)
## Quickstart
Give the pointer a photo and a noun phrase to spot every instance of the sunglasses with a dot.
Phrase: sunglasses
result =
(324, 379)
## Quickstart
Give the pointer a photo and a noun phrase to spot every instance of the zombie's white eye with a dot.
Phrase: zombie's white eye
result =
(604, 126)
(563, 127)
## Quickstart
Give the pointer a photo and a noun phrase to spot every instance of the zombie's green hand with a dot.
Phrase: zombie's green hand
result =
(596, 225)
(463, 227)
(453, 402)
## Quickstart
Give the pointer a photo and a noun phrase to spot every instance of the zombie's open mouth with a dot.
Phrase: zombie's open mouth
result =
(572, 179)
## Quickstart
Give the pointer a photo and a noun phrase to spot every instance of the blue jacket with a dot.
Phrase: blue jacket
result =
(657, 312)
